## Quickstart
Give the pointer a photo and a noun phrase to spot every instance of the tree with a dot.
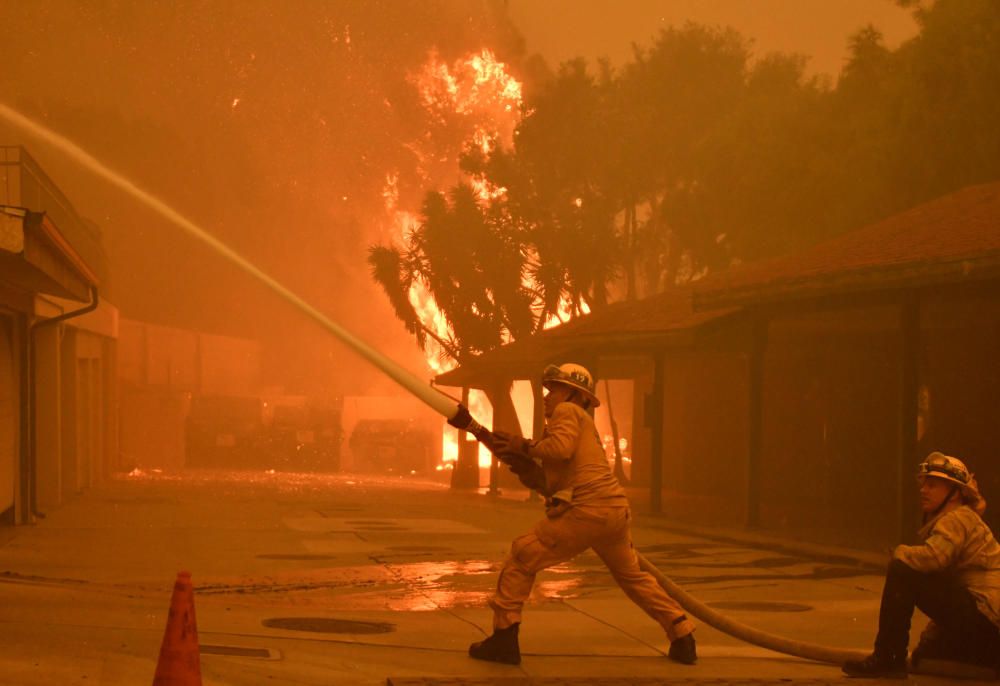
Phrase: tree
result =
(555, 181)
(472, 266)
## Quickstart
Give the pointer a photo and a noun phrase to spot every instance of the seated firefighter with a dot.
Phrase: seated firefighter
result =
(586, 508)
(953, 577)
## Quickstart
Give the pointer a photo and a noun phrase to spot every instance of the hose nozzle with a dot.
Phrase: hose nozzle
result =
(463, 421)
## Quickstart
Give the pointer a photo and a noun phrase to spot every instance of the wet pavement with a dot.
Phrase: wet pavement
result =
(318, 579)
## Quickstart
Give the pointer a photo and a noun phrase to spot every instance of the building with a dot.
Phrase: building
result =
(58, 407)
(657, 359)
(161, 369)
(870, 351)
(797, 395)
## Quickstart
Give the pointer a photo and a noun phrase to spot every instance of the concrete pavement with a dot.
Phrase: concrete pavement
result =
(313, 579)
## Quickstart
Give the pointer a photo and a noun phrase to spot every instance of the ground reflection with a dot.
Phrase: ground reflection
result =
(450, 584)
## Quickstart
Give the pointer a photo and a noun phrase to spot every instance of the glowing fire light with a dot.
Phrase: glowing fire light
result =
(478, 103)
(564, 314)
(476, 84)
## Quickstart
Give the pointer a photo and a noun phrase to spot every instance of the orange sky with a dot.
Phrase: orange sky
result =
(602, 28)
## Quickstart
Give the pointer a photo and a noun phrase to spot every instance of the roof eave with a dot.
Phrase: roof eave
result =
(881, 278)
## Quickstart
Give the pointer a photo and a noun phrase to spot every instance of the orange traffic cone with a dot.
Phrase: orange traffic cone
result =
(180, 662)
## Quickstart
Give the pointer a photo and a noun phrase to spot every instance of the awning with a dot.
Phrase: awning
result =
(635, 327)
(35, 257)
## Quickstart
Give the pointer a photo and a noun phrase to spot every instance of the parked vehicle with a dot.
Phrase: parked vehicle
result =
(302, 437)
(224, 431)
(391, 445)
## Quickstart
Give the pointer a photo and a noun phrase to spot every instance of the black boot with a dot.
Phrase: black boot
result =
(500, 647)
(877, 666)
(682, 650)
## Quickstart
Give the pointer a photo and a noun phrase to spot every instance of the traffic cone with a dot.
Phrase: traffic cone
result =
(180, 662)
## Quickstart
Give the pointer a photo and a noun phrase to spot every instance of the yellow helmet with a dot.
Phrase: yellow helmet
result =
(945, 467)
(952, 469)
(573, 375)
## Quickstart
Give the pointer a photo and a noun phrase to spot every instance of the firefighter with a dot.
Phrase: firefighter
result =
(953, 577)
(586, 508)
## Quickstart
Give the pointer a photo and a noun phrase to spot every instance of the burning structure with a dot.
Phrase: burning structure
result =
(788, 394)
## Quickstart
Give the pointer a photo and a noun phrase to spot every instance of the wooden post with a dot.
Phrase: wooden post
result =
(538, 409)
(504, 419)
(498, 423)
(909, 390)
(654, 420)
(755, 425)
(537, 420)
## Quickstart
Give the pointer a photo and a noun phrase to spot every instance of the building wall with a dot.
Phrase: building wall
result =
(960, 383)
(48, 418)
(705, 437)
(160, 369)
(73, 401)
(830, 425)
(9, 416)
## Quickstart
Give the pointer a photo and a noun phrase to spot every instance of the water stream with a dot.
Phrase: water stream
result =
(439, 402)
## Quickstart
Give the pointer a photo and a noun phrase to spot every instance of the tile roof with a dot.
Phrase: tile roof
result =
(953, 238)
(659, 320)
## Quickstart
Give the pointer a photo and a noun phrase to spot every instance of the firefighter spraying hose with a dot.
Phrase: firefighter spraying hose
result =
(456, 414)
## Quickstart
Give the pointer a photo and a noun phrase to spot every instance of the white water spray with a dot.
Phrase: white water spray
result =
(439, 402)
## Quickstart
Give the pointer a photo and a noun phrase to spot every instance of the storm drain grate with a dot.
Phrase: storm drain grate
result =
(238, 651)
(327, 625)
(759, 606)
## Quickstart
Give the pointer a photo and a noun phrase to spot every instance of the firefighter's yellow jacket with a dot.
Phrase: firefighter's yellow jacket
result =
(573, 459)
(959, 541)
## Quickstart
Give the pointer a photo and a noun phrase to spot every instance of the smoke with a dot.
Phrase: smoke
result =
(272, 124)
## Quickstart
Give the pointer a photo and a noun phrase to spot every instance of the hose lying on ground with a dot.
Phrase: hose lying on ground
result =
(717, 620)
(530, 474)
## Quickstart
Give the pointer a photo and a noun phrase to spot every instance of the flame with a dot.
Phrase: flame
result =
(477, 84)
(564, 313)
(477, 103)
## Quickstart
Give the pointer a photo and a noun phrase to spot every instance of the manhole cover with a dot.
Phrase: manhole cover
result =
(418, 548)
(295, 556)
(759, 606)
(326, 625)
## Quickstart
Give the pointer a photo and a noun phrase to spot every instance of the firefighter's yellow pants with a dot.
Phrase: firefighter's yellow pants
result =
(605, 529)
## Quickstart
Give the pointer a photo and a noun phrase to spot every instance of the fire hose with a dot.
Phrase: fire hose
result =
(530, 475)
(456, 414)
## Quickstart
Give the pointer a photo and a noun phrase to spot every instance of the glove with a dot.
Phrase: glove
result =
(505, 443)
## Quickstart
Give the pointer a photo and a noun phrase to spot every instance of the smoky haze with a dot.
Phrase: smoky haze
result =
(273, 125)
(817, 29)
